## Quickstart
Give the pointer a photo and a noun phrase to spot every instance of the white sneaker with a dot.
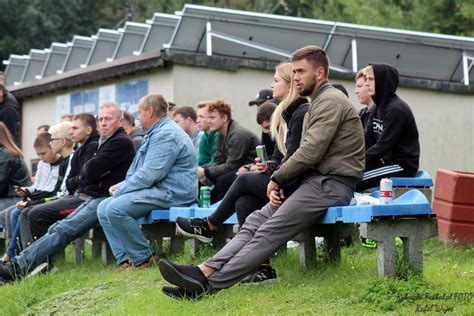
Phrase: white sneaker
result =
(42, 268)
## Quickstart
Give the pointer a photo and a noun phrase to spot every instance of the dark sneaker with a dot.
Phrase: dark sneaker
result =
(179, 294)
(195, 228)
(9, 271)
(264, 275)
(189, 278)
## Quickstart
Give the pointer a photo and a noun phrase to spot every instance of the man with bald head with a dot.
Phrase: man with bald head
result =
(163, 174)
(107, 167)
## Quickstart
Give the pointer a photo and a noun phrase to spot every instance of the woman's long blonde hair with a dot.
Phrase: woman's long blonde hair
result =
(6, 140)
(278, 126)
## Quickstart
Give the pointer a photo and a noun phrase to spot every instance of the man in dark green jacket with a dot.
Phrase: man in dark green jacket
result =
(331, 160)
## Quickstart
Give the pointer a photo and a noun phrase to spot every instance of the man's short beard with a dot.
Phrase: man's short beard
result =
(308, 90)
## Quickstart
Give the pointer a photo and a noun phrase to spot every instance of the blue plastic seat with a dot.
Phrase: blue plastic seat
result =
(422, 179)
(409, 204)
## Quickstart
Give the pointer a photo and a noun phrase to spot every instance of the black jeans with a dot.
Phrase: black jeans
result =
(247, 194)
(35, 223)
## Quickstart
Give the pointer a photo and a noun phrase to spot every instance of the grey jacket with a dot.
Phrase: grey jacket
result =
(332, 141)
(233, 151)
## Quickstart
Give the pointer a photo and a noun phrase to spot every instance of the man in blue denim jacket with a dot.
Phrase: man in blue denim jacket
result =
(162, 174)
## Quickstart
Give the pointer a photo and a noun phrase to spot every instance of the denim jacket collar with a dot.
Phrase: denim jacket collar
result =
(157, 125)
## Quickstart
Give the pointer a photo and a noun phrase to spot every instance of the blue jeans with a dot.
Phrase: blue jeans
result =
(14, 244)
(59, 235)
(117, 216)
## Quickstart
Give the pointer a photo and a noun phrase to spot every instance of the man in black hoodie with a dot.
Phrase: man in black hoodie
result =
(391, 136)
(9, 112)
(107, 167)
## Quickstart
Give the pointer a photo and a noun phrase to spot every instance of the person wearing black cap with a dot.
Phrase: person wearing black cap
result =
(262, 96)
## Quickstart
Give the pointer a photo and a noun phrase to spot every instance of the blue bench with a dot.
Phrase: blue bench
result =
(408, 207)
(156, 226)
(409, 217)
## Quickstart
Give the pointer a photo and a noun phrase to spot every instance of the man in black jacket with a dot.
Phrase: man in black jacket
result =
(35, 221)
(9, 112)
(391, 136)
(108, 166)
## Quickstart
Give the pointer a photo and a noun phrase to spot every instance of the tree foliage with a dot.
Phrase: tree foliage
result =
(27, 24)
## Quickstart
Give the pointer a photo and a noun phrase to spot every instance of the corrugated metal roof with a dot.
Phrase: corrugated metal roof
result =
(254, 36)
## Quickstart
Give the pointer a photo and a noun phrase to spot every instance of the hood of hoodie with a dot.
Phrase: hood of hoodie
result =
(386, 83)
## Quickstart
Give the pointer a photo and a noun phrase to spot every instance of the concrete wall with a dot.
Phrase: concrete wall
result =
(445, 121)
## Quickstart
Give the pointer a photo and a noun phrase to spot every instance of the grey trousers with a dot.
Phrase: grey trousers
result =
(266, 230)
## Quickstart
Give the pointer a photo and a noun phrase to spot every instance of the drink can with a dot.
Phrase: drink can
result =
(262, 153)
(205, 196)
(386, 191)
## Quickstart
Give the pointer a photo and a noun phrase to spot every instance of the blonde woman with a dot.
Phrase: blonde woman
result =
(248, 192)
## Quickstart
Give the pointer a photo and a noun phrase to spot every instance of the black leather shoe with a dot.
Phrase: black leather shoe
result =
(188, 278)
(179, 294)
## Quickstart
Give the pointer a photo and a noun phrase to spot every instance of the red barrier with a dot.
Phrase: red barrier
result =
(454, 206)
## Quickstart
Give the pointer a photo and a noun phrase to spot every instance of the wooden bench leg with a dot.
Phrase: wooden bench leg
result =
(107, 255)
(220, 237)
(96, 248)
(194, 247)
(157, 245)
(100, 246)
(332, 247)
(78, 250)
(177, 245)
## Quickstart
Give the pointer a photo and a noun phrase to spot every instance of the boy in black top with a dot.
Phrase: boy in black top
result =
(391, 136)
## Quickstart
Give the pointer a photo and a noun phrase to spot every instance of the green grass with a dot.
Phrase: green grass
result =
(348, 288)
